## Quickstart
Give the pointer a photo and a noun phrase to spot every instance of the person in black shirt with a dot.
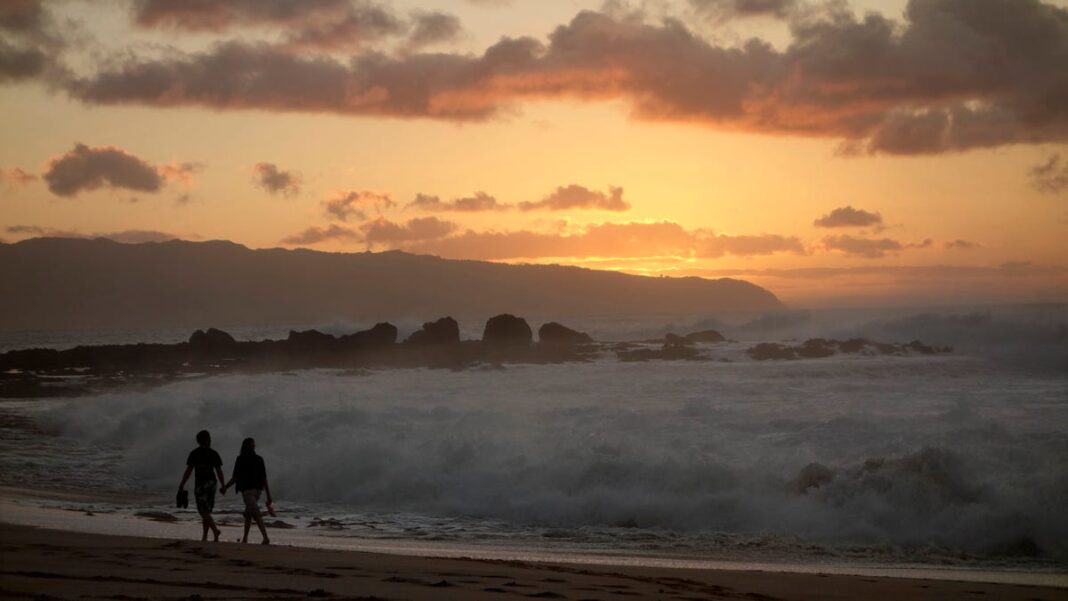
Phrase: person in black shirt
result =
(250, 479)
(206, 464)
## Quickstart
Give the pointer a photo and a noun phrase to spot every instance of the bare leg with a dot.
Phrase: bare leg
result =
(248, 524)
(214, 529)
(204, 521)
(263, 530)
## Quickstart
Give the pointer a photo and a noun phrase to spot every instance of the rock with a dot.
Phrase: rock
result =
(212, 341)
(554, 333)
(309, 341)
(667, 353)
(853, 345)
(380, 336)
(705, 336)
(770, 350)
(507, 329)
(918, 347)
(674, 340)
(817, 348)
(442, 331)
(813, 475)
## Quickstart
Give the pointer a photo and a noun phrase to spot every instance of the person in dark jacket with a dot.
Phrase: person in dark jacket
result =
(207, 465)
(250, 479)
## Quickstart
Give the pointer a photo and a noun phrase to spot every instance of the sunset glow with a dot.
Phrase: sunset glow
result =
(677, 140)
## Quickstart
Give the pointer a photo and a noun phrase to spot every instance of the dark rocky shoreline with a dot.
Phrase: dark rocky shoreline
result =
(506, 339)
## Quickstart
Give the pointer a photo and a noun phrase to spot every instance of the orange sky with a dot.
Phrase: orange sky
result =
(660, 142)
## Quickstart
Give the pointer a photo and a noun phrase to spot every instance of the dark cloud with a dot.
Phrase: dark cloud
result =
(353, 204)
(383, 232)
(22, 15)
(1050, 176)
(430, 28)
(125, 236)
(954, 75)
(317, 24)
(36, 230)
(16, 177)
(315, 235)
(277, 181)
(847, 216)
(480, 201)
(579, 197)
(960, 245)
(720, 10)
(87, 168)
(870, 248)
(139, 236)
(29, 41)
(21, 63)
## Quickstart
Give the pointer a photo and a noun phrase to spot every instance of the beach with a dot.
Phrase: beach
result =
(53, 564)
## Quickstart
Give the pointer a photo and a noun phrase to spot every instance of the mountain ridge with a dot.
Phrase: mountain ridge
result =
(70, 283)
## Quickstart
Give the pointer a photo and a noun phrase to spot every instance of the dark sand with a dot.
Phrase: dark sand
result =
(52, 564)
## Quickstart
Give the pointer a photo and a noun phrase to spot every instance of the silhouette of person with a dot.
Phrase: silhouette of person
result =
(206, 464)
(250, 479)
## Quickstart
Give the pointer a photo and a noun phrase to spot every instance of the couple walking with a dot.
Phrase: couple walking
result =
(249, 478)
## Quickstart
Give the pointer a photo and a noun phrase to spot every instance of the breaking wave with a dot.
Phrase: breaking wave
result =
(914, 451)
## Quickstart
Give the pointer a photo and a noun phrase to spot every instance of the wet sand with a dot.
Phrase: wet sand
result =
(53, 564)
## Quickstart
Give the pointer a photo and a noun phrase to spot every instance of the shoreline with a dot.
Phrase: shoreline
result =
(20, 508)
(55, 564)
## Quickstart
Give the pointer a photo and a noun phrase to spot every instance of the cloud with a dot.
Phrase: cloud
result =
(579, 197)
(352, 204)
(434, 27)
(744, 246)
(16, 177)
(847, 216)
(179, 172)
(133, 236)
(315, 235)
(870, 248)
(480, 201)
(720, 10)
(277, 181)
(30, 40)
(306, 24)
(38, 231)
(1051, 176)
(383, 232)
(960, 245)
(953, 75)
(87, 168)
(605, 240)
(1022, 268)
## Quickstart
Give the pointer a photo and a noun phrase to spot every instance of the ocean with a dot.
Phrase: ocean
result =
(951, 461)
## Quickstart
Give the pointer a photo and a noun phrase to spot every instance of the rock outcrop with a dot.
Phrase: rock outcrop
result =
(212, 341)
(382, 335)
(507, 330)
(442, 331)
(816, 348)
(555, 333)
(705, 336)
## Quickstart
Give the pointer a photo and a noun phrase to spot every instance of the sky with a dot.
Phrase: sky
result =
(837, 153)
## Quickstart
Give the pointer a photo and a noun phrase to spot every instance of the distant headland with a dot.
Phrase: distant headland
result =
(74, 284)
